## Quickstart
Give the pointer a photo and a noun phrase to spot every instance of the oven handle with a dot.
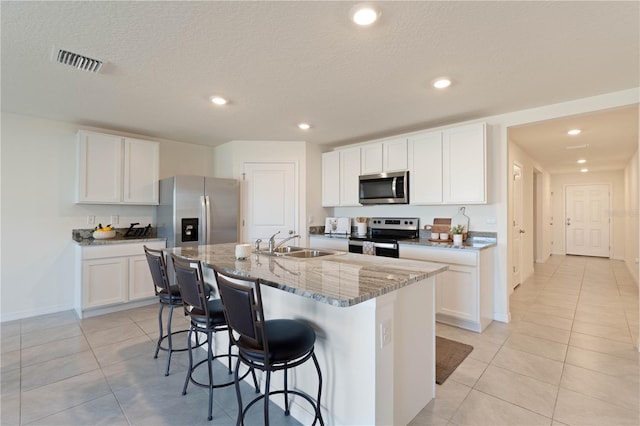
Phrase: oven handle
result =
(360, 243)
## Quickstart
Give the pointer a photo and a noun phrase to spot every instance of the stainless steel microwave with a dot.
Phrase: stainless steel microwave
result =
(385, 188)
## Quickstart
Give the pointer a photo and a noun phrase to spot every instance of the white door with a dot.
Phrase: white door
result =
(270, 201)
(516, 230)
(587, 219)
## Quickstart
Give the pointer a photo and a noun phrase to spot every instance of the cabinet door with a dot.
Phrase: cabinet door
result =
(371, 159)
(457, 293)
(99, 168)
(349, 177)
(394, 154)
(141, 170)
(464, 157)
(104, 281)
(331, 179)
(140, 281)
(425, 168)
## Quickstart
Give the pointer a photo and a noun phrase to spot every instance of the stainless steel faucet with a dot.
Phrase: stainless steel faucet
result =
(272, 241)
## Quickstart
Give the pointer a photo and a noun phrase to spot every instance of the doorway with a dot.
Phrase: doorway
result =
(516, 222)
(587, 220)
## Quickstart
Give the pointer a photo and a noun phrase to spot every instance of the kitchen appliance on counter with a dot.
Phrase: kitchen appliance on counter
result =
(384, 188)
(198, 210)
(385, 234)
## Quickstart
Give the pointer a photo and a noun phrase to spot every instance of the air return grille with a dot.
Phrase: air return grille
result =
(78, 61)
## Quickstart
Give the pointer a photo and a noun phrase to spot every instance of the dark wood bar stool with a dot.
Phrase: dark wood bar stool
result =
(266, 345)
(206, 317)
(169, 296)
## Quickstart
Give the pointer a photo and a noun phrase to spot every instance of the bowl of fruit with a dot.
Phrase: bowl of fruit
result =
(103, 232)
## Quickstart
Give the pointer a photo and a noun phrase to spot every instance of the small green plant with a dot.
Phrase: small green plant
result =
(458, 229)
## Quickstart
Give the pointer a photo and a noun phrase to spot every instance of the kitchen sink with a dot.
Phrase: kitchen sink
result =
(298, 252)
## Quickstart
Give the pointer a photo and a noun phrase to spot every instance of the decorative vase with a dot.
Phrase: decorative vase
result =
(361, 228)
(457, 238)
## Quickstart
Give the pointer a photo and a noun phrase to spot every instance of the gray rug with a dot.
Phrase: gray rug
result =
(449, 355)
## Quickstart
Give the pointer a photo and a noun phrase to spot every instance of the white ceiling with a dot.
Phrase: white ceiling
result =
(284, 62)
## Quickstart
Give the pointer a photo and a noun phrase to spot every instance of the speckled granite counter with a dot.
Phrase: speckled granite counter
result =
(473, 243)
(343, 279)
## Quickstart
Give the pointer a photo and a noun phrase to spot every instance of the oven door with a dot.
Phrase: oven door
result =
(386, 249)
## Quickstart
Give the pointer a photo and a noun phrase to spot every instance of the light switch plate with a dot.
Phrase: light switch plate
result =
(91, 220)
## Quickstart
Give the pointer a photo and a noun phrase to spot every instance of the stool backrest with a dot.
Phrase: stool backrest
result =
(158, 268)
(191, 284)
(242, 306)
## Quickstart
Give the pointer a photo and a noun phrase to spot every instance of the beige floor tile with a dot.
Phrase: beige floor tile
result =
(549, 320)
(9, 328)
(10, 383)
(427, 418)
(9, 361)
(480, 409)
(615, 390)
(537, 346)
(101, 411)
(10, 343)
(613, 319)
(448, 398)
(607, 364)
(557, 301)
(103, 322)
(468, 372)
(42, 322)
(43, 336)
(535, 366)
(113, 335)
(544, 332)
(52, 350)
(126, 349)
(552, 310)
(574, 408)
(57, 369)
(10, 413)
(520, 390)
(620, 334)
(606, 346)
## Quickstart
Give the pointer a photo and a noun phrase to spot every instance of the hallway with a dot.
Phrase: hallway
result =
(569, 356)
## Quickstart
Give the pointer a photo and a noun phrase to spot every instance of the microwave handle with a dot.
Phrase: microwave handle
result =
(393, 187)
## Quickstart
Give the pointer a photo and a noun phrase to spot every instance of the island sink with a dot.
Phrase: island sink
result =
(298, 252)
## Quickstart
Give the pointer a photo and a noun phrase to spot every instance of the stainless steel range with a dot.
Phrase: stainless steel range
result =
(384, 235)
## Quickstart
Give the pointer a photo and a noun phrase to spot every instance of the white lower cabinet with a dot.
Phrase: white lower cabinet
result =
(464, 293)
(113, 277)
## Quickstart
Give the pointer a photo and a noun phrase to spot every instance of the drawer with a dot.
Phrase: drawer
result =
(449, 256)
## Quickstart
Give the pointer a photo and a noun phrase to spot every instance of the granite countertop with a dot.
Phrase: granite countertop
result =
(343, 279)
(84, 237)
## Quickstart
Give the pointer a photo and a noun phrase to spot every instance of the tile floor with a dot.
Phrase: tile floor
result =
(569, 357)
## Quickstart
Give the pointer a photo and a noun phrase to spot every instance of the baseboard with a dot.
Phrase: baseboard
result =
(499, 316)
(34, 313)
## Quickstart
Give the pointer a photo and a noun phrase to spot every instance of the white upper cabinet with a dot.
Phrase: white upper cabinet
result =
(340, 178)
(425, 168)
(386, 156)
(117, 170)
(448, 167)
(464, 165)
(350, 177)
(394, 155)
(371, 158)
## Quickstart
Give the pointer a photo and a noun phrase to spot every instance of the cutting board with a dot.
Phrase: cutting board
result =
(461, 219)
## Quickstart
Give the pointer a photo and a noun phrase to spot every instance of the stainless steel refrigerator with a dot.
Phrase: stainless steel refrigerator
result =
(198, 210)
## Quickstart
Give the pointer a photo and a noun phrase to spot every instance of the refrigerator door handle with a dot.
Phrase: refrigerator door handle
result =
(207, 202)
(203, 219)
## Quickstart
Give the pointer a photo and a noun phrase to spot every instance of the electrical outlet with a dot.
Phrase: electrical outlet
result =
(114, 219)
(386, 332)
(91, 220)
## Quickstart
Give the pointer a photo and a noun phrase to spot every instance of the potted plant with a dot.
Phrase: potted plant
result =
(457, 232)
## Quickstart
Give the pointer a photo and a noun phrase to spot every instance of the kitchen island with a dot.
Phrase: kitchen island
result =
(374, 320)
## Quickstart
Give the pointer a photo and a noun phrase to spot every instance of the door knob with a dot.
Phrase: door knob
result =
(522, 231)
(568, 221)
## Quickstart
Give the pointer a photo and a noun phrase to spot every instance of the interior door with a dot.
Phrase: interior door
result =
(270, 201)
(587, 219)
(516, 231)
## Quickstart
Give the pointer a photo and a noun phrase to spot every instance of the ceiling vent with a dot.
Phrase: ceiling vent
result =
(76, 60)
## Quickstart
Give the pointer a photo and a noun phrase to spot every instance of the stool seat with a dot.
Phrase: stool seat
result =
(287, 339)
(215, 317)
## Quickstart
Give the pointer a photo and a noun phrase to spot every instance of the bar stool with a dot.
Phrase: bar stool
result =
(206, 317)
(266, 345)
(168, 295)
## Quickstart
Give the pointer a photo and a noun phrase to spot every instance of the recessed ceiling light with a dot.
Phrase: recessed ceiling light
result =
(364, 14)
(574, 132)
(583, 146)
(585, 170)
(581, 161)
(304, 126)
(442, 83)
(218, 100)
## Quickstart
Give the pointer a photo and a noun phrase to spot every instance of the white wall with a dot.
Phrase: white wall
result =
(38, 210)
(632, 210)
(617, 215)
